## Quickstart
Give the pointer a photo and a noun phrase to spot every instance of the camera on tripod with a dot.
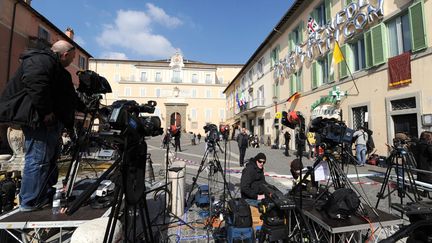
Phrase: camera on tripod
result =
(125, 116)
(331, 132)
(212, 134)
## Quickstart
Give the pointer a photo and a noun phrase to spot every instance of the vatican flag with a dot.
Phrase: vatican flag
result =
(337, 57)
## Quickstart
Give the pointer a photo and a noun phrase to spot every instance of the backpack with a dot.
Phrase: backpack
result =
(342, 203)
(239, 213)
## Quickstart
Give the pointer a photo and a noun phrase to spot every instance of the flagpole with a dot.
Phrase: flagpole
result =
(349, 70)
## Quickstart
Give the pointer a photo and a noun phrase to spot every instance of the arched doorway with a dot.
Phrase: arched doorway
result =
(175, 119)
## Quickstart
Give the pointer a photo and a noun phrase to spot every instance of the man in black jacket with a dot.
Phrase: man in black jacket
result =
(242, 141)
(252, 178)
(49, 105)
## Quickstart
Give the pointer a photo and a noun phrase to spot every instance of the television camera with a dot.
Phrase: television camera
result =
(274, 205)
(331, 132)
(212, 134)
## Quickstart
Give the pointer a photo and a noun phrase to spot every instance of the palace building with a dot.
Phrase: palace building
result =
(380, 80)
(188, 93)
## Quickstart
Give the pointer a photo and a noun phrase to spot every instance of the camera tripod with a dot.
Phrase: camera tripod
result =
(402, 161)
(128, 172)
(214, 167)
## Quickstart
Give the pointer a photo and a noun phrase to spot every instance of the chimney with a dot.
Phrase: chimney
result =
(70, 33)
(28, 2)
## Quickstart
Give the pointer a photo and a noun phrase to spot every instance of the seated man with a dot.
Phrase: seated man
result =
(252, 178)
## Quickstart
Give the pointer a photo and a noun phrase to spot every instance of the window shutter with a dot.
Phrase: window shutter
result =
(300, 30)
(417, 24)
(347, 2)
(277, 53)
(343, 70)
(299, 82)
(292, 81)
(378, 41)
(330, 66)
(328, 10)
(368, 49)
(314, 75)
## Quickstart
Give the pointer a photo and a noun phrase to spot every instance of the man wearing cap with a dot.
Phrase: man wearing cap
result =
(252, 178)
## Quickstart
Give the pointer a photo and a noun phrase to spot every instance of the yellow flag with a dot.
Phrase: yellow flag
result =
(337, 54)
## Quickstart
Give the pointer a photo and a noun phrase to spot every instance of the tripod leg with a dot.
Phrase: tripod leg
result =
(385, 182)
(194, 179)
(115, 209)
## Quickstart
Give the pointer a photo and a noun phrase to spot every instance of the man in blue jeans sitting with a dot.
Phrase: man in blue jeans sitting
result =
(50, 106)
(252, 178)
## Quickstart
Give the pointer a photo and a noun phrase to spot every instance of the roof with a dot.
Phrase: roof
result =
(294, 7)
(45, 20)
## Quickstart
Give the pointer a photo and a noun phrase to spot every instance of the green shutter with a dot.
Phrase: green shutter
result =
(300, 30)
(292, 81)
(343, 70)
(417, 24)
(378, 40)
(299, 82)
(314, 75)
(330, 66)
(347, 2)
(368, 49)
(319, 73)
(327, 5)
(277, 53)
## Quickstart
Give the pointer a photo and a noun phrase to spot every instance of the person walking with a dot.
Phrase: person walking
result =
(287, 137)
(199, 138)
(361, 138)
(177, 137)
(48, 106)
(242, 141)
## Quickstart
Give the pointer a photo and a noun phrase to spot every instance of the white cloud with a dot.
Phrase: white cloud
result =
(132, 31)
(161, 17)
(114, 55)
(78, 39)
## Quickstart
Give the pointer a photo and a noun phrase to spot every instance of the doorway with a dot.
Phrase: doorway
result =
(406, 123)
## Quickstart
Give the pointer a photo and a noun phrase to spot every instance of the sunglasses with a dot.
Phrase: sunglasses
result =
(261, 161)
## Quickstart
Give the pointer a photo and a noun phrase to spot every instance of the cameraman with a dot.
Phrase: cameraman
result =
(252, 178)
(422, 152)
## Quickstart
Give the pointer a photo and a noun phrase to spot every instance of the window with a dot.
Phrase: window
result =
(43, 33)
(157, 92)
(260, 95)
(117, 78)
(274, 56)
(194, 93)
(176, 77)
(276, 89)
(260, 67)
(222, 114)
(194, 78)
(219, 80)
(399, 35)
(158, 77)
(208, 93)
(251, 76)
(319, 14)
(193, 114)
(142, 92)
(82, 63)
(296, 84)
(243, 84)
(320, 72)
(359, 116)
(295, 37)
(143, 76)
(127, 91)
(132, 77)
(358, 52)
(208, 115)
(208, 79)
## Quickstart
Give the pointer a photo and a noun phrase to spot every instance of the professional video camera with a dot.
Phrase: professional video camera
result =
(331, 132)
(274, 205)
(91, 83)
(125, 116)
(212, 133)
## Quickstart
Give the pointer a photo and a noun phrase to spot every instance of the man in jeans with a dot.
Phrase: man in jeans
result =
(361, 138)
(50, 91)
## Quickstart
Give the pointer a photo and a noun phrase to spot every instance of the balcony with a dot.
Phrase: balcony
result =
(251, 106)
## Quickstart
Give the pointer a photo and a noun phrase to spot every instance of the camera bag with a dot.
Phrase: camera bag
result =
(342, 203)
(239, 213)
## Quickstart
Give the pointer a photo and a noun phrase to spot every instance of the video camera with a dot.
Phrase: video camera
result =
(331, 132)
(212, 133)
(125, 117)
(274, 206)
(91, 83)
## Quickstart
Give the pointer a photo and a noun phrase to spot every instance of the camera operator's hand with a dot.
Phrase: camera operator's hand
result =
(261, 197)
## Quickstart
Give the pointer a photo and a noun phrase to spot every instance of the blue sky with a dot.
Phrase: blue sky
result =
(211, 31)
